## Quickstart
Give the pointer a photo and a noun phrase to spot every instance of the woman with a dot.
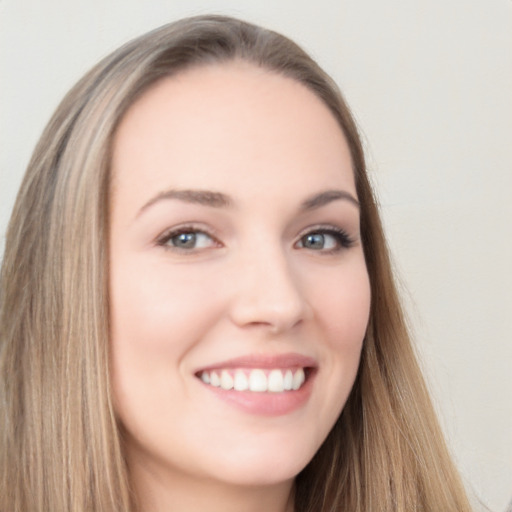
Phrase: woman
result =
(197, 303)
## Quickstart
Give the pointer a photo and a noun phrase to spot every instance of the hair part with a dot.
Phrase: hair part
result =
(60, 445)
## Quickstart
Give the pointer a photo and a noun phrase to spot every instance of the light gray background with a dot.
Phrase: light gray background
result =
(430, 84)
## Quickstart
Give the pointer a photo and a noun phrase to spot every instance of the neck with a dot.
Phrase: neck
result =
(161, 493)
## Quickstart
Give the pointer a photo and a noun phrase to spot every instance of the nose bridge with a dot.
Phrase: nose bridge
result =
(268, 290)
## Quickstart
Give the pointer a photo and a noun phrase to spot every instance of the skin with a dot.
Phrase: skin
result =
(252, 284)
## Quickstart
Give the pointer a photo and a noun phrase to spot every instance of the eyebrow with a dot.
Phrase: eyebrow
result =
(220, 200)
(324, 198)
(203, 197)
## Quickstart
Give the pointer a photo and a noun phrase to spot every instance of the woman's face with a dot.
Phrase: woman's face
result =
(237, 272)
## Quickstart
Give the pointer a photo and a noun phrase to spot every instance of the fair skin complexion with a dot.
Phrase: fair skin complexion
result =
(234, 250)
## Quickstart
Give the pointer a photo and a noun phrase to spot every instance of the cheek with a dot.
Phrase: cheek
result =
(343, 312)
(158, 316)
(159, 307)
(343, 307)
(341, 301)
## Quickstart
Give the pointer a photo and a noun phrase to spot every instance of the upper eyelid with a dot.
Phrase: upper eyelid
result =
(334, 230)
(326, 228)
(188, 226)
(200, 227)
(183, 228)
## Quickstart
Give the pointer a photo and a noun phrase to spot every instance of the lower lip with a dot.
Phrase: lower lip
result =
(266, 403)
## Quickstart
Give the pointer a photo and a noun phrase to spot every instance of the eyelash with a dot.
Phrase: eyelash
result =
(164, 240)
(341, 237)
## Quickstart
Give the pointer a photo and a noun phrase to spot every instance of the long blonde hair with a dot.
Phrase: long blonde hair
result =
(60, 447)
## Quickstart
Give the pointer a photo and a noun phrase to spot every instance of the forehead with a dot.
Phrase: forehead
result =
(223, 126)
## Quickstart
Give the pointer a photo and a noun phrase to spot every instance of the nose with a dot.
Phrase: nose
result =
(268, 293)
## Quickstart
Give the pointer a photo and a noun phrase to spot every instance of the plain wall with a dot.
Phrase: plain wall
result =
(430, 85)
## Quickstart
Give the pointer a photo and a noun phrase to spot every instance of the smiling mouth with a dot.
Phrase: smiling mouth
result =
(271, 380)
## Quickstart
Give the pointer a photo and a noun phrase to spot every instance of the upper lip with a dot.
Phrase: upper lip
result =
(264, 361)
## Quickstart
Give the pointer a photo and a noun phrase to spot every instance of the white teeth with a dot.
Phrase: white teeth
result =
(226, 381)
(241, 381)
(257, 380)
(298, 379)
(214, 380)
(288, 380)
(275, 381)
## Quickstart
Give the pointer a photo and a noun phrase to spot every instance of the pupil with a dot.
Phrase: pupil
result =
(185, 240)
(314, 241)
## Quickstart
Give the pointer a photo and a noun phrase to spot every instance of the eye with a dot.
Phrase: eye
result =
(187, 239)
(326, 240)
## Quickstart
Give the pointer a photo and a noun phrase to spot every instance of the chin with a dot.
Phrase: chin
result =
(260, 469)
